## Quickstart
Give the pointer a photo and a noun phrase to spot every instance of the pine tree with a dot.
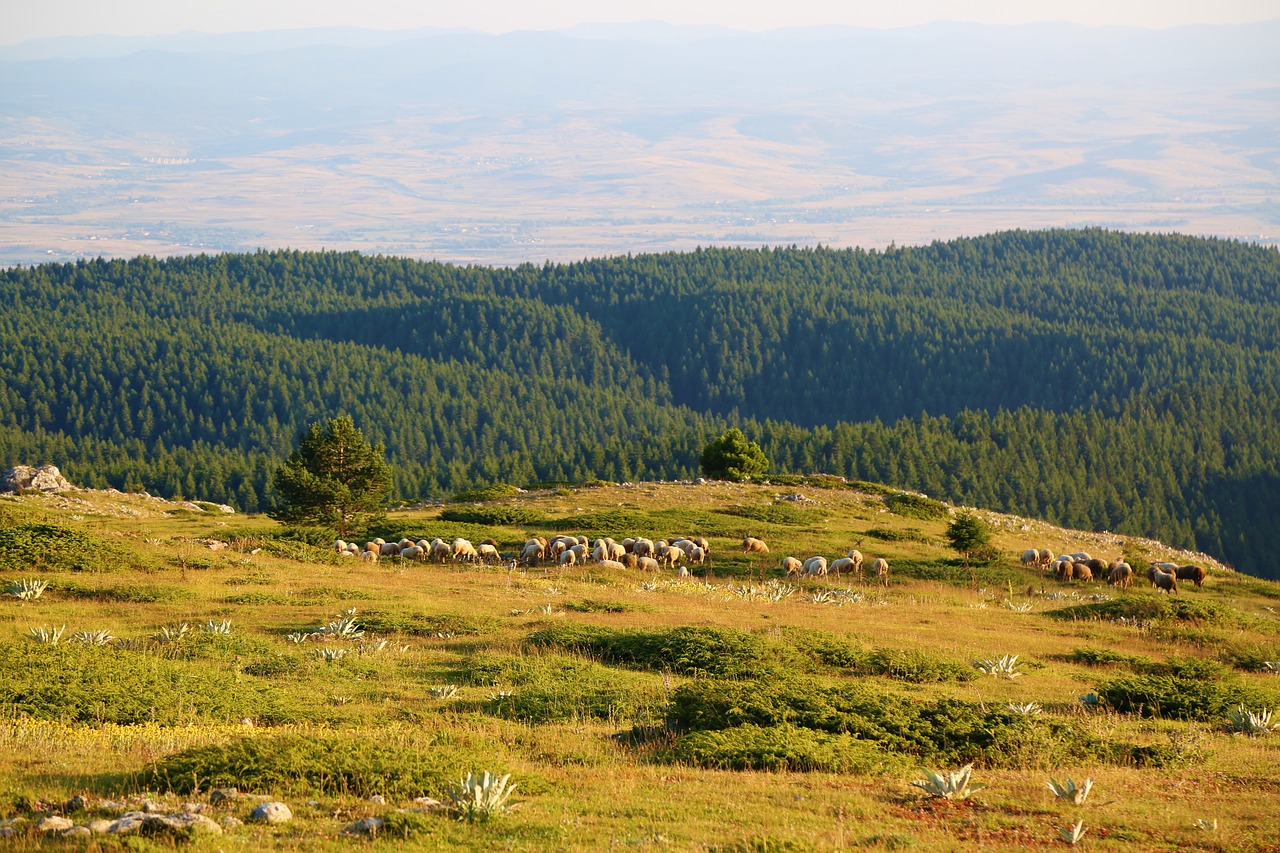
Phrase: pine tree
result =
(335, 479)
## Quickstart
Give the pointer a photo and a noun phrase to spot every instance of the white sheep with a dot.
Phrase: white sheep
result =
(389, 549)
(487, 553)
(842, 564)
(413, 552)
(369, 556)
(440, 550)
(752, 545)
(791, 566)
(816, 566)
(1029, 557)
(881, 567)
(1044, 558)
(568, 557)
(648, 564)
(856, 555)
(464, 550)
(612, 565)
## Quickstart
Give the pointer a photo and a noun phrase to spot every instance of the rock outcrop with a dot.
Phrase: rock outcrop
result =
(24, 478)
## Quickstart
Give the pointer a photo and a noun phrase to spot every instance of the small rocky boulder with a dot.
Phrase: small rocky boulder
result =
(272, 813)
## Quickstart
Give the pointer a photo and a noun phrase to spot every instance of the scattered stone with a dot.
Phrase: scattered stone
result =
(54, 823)
(192, 808)
(151, 807)
(99, 826)
(231, 822)
(180, 824)
(7, 832)
(127, 823)
(24, 478)
(364, 826)
(113, 806)
(78, 803)
(379, 799)
(272, 813)
(426, 804)
(77, 832)
(223, 796)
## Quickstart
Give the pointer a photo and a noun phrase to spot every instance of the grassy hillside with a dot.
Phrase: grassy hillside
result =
(733, 710)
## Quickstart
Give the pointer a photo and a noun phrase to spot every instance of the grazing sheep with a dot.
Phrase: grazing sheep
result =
(557, 548)
(642, 547)
(1164, 581)
(615, 550)
(404, 543)
(369, 556)
(1121, 575)
(843, 564)
(579, 551)
(1195, 574)
(532, 553)
(631, 561)
(1084, 572)
(628, 544)
(672, 556)
(1064, 568)
(613, 565)
(339, 545)
(697, 555)
(816, 566)
(647, 564)
(1029, 557)
(856, 556)
(413, 552)
(1080, 556)
(752, 545)
(701, 542)
(487, 553)
(440, 550)
(464, 550)
(568, 558)
(389, 549)
(1044, 558)
(791, 566)
(881, 567)
(600, 553)
(1098, 567)
(372, 545)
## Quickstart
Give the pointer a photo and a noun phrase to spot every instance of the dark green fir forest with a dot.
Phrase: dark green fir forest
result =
(1095, 379)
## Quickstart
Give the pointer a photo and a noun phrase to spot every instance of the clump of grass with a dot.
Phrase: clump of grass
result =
(541, 688)
(1184, 698)
(779, 748)
(50, 547)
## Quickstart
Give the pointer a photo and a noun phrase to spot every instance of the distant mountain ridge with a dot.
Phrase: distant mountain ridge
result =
(1099, 380)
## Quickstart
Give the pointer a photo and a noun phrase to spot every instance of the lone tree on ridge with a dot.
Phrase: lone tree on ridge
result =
(335, 478)
(732, 457)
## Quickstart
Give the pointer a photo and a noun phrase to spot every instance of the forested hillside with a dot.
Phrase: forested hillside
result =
(1112, 381)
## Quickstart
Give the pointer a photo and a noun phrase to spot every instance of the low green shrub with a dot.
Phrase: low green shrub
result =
(888, 534)
(1163, 608)
(51, 548)
(131, 592)
(509, 516)
(541, 688)
(1251, 657)
(915, 666)
(323, 765)
(776, 513)
(93, 684)
(782, 747)
(917, 506)
(1183, 698)
(1104, 657)
(944, 730)
(590, 605)
(480, 494)
(825, 648)
(427, 624)
(686, 650)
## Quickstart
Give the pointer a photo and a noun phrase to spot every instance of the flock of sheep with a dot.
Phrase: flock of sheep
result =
(1081, 567)
(819, 567)
(562, 550)
(680, 552)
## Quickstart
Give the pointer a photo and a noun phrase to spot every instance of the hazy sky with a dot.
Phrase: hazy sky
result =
(25, 19)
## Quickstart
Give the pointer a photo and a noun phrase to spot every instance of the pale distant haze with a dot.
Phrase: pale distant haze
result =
(510, 131)
(28, 20)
